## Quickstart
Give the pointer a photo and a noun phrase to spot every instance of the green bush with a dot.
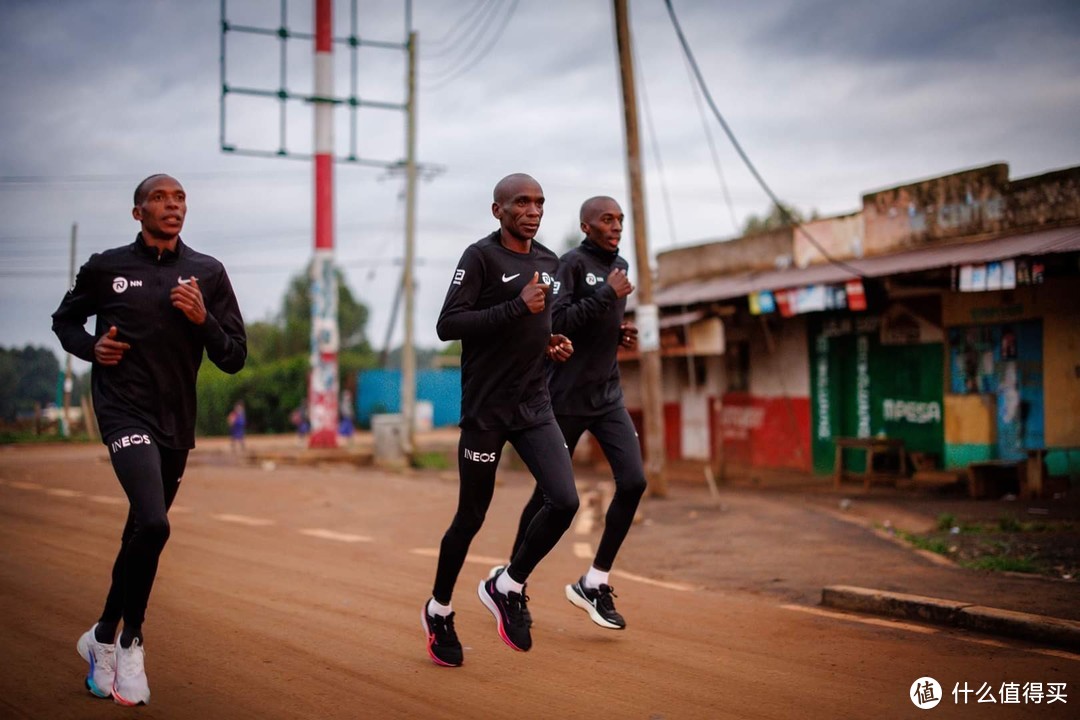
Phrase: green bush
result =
(270, 391)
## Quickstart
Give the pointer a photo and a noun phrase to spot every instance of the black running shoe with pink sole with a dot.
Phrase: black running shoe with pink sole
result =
(525, 613)
(442, 641)
(508, 610)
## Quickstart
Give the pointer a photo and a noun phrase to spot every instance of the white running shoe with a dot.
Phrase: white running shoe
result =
(130, 686)
(102, 659)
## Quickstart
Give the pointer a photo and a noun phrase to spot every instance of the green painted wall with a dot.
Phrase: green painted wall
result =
(861, 388)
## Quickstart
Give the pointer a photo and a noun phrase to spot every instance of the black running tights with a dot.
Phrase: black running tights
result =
(150, 475)
(618, 439)
(544, 452)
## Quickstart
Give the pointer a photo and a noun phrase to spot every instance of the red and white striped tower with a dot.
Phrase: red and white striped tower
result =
(323, 380)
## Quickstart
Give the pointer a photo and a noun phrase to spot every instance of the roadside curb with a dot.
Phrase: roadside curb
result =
(969, 616)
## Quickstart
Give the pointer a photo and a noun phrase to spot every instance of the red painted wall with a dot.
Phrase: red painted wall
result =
(672, 431)
(766, 432)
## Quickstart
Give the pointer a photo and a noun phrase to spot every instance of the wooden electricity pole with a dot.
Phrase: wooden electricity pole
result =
(647, 314)
(408, 351)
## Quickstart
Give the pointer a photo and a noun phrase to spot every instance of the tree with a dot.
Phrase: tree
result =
(28, 378)
(274, 382)
(296, 316)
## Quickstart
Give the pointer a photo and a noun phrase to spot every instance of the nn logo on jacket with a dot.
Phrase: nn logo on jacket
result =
(120, 284)
(128, 440)
(484, 457)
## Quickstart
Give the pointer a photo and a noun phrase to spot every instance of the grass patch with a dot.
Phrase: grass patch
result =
(1002, 563)
(431, 461)
(1009, 523)
(946, 522)
(934, 545)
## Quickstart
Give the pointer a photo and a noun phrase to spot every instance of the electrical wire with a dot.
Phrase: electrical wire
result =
(454, 74)
(696, 91)
(656, 152)
(788, 218)
(443, 45)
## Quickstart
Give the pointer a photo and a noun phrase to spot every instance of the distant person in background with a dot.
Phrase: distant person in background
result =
(237, 426)
(159, 306)
(346, 428)
(300, 421)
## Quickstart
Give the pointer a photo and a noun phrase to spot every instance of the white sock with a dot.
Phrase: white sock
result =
(506, 584)
(595, 578)
(434, 607)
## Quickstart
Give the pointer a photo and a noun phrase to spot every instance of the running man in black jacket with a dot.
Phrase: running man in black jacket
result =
(159, 304)
(586, 392)
(497, 305)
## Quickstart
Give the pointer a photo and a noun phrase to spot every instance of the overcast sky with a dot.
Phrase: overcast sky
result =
(830, 99)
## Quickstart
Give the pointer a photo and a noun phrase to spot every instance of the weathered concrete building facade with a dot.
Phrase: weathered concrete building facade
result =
(944, 312)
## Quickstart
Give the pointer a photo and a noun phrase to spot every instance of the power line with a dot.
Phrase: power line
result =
(495, 37)
(788, 218)
(696, 91)
(656, 152)
(447, 41)
(439, 264)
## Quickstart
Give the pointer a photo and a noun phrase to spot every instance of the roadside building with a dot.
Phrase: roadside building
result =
(944, 313)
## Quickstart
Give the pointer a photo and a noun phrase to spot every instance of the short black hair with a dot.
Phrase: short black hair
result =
(140, 190)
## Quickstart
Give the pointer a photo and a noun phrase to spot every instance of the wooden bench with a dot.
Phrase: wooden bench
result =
(873, 446)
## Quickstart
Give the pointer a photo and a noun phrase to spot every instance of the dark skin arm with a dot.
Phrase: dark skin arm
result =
(559, 348)
(628, 338)
(188, 299)
(108, 350)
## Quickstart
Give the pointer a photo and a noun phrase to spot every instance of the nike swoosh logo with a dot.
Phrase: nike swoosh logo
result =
(182, 281)
(508, 279)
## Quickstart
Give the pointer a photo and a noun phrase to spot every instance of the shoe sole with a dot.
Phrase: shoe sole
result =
(431, 641)
(587, 606)
(125, 702)
(489, 603)
(83, 647)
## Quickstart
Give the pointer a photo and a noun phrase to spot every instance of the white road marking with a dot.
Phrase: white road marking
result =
(477, 559)
(20, 485)
(179, 509)
(586, 519)
(107, 499)
(64, 492)
(243, 520)
(680, 587)
(334, 535)
(583, 550)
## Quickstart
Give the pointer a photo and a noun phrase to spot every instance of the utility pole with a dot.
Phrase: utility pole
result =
(65, 424)
(323, 382)
(408, 352)
(647, 313)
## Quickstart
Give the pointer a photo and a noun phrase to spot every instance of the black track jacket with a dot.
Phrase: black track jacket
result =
(503, 345)
(153, 385)
(587, 311)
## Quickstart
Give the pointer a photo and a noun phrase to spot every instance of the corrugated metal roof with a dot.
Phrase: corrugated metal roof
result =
(1045, 242)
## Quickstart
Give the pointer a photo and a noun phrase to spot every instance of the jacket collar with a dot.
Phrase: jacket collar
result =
(165, 256)
(598, 251)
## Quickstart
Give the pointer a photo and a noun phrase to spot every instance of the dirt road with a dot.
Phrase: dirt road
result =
(296, 593)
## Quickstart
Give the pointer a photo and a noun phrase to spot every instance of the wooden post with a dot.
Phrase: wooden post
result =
(647, 315)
